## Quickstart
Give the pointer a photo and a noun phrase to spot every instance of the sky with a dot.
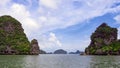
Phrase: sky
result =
(62, 24)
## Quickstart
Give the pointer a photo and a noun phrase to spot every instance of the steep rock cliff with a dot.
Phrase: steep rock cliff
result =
(13, 40)
(104, 41)
(34, 47)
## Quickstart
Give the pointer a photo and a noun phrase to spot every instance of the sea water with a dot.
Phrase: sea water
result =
(58, 61)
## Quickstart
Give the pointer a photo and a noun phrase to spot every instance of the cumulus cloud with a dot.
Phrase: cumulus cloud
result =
(54, 39)
(71, 12)
(117, 19)
(23, 15)
(58, 14)
(49, 3)
(49, 42)
(4, 2)
(119, 33)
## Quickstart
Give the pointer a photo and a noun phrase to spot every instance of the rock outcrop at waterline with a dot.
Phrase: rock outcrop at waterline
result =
(34, 47)
(13, 39)
(104, 41)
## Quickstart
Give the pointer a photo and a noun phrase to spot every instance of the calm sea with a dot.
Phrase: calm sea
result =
(59, 61)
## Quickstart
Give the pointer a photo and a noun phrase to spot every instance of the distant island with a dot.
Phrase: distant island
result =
(77, 52)
(60, 51)
(104, 41)
(42, 52)
(13, 40)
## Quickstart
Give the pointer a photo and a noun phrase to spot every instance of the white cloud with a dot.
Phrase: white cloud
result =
(4, 2)
(23, 15)
(117, 18)
(49, 42)
(49, 3)
(58, 14)
(119, 33)
(19, 10)
(67, 13)
(54, 39)
(42, 19)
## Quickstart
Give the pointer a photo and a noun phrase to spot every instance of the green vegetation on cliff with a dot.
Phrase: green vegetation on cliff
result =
(12, 37)
(104, 41)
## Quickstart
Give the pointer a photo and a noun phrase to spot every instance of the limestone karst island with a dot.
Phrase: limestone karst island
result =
(104, 41)
(13, 39)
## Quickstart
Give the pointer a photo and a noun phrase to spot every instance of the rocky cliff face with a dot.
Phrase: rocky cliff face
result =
(12, 37)
(103, 41)
(34, 47)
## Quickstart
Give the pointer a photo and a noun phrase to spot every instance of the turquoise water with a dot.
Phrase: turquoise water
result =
(58, 61)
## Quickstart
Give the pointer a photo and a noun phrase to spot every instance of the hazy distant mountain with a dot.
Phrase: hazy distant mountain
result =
(60, 51)
(42, 52)
(77, 52)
